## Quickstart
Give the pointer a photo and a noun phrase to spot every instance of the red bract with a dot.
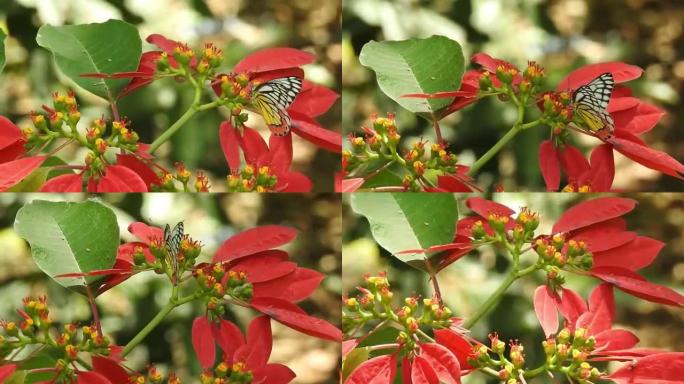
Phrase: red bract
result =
(6, 371)
(582, 176)
(378, 370)
(665, 368)
(14, 166)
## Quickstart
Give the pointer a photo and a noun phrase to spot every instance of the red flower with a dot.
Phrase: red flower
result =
(14, 164)
(617, 254)
(240, 356)
(273, 159)
(582, 175)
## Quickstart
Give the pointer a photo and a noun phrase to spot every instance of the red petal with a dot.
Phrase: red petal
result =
(348, 346)
(14, 171)
(634, 255)
(64, 183)
(293, 287)
(281, 152)
(591, 212)
(378, 370)
(545, 308)
(614, 339)
(308, 129)
(573, 162)
(485, 207)
(621, 73)
(549, 165)
(458, 345)
(109, 369)
(571, 306)
(91, 378)
(662, 368)
(273, 58)
(230, 143)
(229, 338)
(602, 306)
(6, 371)
(406, 367)
(254, 240)
(11, 140)
(444, 363)
(314, 100)
(452, 184)
(294, 317)
(121, 179)
(605, 235)
(602, 168)
(144, 232)
(275, 374)
(264, 266)
(351, 185)
(632, 115)
(202, 342)
(648, 157)
(422, 372)
(294, 182)
(259, 342)
(634, 284)
(145, 72)
(617, 105)
(254, 146)
(143, 170)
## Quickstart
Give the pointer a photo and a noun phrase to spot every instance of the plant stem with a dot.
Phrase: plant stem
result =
(435, 283)
(494, 150)
(164, 137)
(438, 130)
(493, 299)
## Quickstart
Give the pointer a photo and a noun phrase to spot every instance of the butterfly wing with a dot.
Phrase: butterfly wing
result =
(591, 103)
(272, 99)
(173, 238)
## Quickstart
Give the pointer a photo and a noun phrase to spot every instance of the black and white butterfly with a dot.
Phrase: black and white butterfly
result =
(172, 239)
(272, 99)
(590, 102)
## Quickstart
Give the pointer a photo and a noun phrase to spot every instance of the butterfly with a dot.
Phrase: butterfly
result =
(590, 102)
(172, 239)
(272, 99)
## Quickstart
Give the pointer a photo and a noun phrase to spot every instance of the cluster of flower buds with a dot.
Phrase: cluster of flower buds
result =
(224, 373)
(556, 253)
(168, 182)
(499, 227)
(154, 377)
(510, 368)
(184, 59)
(185, 257)
(374, 303)
(216, 283)
(251, 179)
(569, 352)
(66, 344)
(51, 125)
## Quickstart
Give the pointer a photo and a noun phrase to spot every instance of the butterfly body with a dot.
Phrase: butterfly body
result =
(590, 103)
(272, 99)
(172, 239)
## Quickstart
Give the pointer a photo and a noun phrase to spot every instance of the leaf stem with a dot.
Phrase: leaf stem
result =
(493, 299)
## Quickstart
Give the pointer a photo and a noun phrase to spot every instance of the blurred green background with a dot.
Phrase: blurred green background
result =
(561, 35)
(211, 219)
(239, 27)
(467, 283)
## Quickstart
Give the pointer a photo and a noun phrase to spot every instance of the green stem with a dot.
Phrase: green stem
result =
(535, 372)
(493, 299)
(164, 137)
(494, 150)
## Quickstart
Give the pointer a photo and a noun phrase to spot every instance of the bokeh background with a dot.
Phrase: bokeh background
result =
(127, 308)
(467, 283)
(238, 27)
(561, 35)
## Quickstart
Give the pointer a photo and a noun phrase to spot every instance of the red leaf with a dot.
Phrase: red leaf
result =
(605, 235)
(591, 212)
(314, 100)
(264, 266)
(444, 363)
(254, 146)
(648, 157)
(634, 255)
(91, 378)
(615, 339)
(573, 162)
(602, 169)
(145, 72)
(254, 240)
(143, 170)
(545, 308)
(11, 140)
(281, 152)
(121, 179)
(621, 73)
(293, 287)
(485, 207)
(275, 374)
(602, 308)
(406, 366)
(15, 171)
(422, 372)
(259, 343)
(202, 342)
(109, 369)
(378, 370)
(638, 119)
(270, 59)
(230, 144)
(146, 233)
(549, 165)
(634, 284)
(308, 129)
(64, 183)
(294, 317)
(571, 306)
(6, 370)
(351, 185)
(450, 183)
(662, 368)
(294, 182)
(459, 346)
(229, 338)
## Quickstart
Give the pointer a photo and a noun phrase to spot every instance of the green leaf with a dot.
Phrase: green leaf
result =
(2, 49)
(109, 47)
(32, 182)
(427, 65)
(405, 221)
(69, 238)
(353, 360)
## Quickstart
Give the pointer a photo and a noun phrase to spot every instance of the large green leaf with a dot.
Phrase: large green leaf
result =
(69, 238)
(109, 47)
(427, 65)
(2, 49)
(405, 221)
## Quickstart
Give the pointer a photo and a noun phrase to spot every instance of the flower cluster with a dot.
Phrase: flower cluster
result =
(377, 154)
